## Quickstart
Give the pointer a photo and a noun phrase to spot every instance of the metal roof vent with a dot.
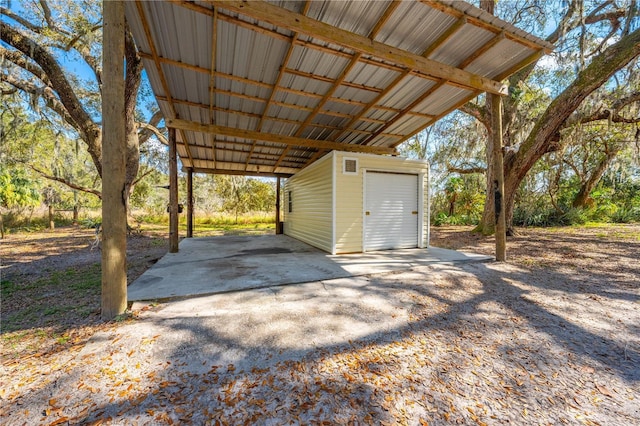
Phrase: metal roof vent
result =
(350, 166)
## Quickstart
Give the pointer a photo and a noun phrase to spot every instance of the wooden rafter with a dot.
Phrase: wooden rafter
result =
(436, 118)
(216, 171)
(255, 152)
(277, 119)
(292, 21)
(430, 49)
(274, 138)
(274, 90)
(482, 50)
(450, 10)
(343, 75)
(409, 107)
(445, 36)
(163, 80)
(323, 102)
(212, 77)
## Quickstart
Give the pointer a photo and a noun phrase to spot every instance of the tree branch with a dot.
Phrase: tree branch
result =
(622, 102)
(45, 93)
(610, 115)
(67, 182)
(475, 111)
(567, 24)
(150, 129)
(93, 62)
(19, 19)
(466, 170)
(142, 176)
(597, 73)
(84, 124)
(19, 60)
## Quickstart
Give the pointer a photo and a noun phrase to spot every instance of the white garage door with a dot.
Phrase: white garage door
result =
(391, 211)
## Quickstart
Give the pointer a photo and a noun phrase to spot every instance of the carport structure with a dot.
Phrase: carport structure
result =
(267, 88)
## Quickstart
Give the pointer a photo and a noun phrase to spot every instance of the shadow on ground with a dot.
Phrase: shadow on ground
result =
(491, 342)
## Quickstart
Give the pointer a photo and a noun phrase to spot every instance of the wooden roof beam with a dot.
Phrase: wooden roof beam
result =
(408, 108)
(274, 89)
(445, 36)
(218, 171)
(292, 21)
(482, 50)
(274, 138)
(335, 84)
(156, 60)
(450, 10)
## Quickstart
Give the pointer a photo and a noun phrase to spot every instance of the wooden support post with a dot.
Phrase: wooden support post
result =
(52, 224)
(114, 216)
(278, 224)
(173, 193)
(75, 214)
(498, 179)
(189, 203)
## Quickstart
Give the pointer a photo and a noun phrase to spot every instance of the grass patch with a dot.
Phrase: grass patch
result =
(61, 299)
(7, 288)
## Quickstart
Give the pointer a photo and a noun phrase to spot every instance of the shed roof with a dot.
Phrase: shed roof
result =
(268, 87)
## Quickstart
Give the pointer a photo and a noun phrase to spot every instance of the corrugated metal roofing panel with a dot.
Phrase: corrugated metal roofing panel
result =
(380, 114)
(414, 26)
(354, 94)
(442, 99)
(404, 126)
(469, 9)
(356, 16)
(466, 41)
(279, 127)
(409, 89)
(317, 62)
(181, 34)
(372, 75)
(504, 56)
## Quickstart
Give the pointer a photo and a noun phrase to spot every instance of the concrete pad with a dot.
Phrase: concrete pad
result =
(230, 263)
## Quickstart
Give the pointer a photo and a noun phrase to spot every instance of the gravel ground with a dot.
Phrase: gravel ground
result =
(551, 337)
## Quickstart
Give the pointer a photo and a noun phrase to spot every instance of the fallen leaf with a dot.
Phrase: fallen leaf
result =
(603, 390)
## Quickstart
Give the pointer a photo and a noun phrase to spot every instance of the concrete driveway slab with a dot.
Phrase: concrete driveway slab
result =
(215, 265)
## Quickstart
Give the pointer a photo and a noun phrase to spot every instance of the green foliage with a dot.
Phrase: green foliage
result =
(460, 202)
(240, 195)
(17, 190)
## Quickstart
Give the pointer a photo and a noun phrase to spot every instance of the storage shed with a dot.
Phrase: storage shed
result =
(351, 202)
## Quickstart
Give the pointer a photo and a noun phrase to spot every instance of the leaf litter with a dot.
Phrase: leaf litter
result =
(478, 348)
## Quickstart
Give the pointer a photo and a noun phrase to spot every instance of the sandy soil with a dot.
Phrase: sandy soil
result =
(550, 337)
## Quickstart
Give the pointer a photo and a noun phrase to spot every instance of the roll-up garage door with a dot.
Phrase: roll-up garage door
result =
(391, 211)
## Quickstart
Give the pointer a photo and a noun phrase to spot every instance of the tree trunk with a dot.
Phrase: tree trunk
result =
(580, 200)
(52, 225)
(545, 137)
(452, 204)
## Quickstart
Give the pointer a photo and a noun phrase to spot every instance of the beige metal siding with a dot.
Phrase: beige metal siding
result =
(311, 217)
(426, 210)
(349, 197)
(348, 208)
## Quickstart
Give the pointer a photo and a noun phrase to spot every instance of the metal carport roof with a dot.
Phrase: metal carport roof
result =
(266, 88)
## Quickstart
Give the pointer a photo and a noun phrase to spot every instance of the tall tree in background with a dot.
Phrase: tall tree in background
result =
(600, 39)
(42, 43)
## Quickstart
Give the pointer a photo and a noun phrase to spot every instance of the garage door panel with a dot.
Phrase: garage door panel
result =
(391, 219)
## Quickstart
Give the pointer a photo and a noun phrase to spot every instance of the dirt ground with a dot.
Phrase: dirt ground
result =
(550, 337)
